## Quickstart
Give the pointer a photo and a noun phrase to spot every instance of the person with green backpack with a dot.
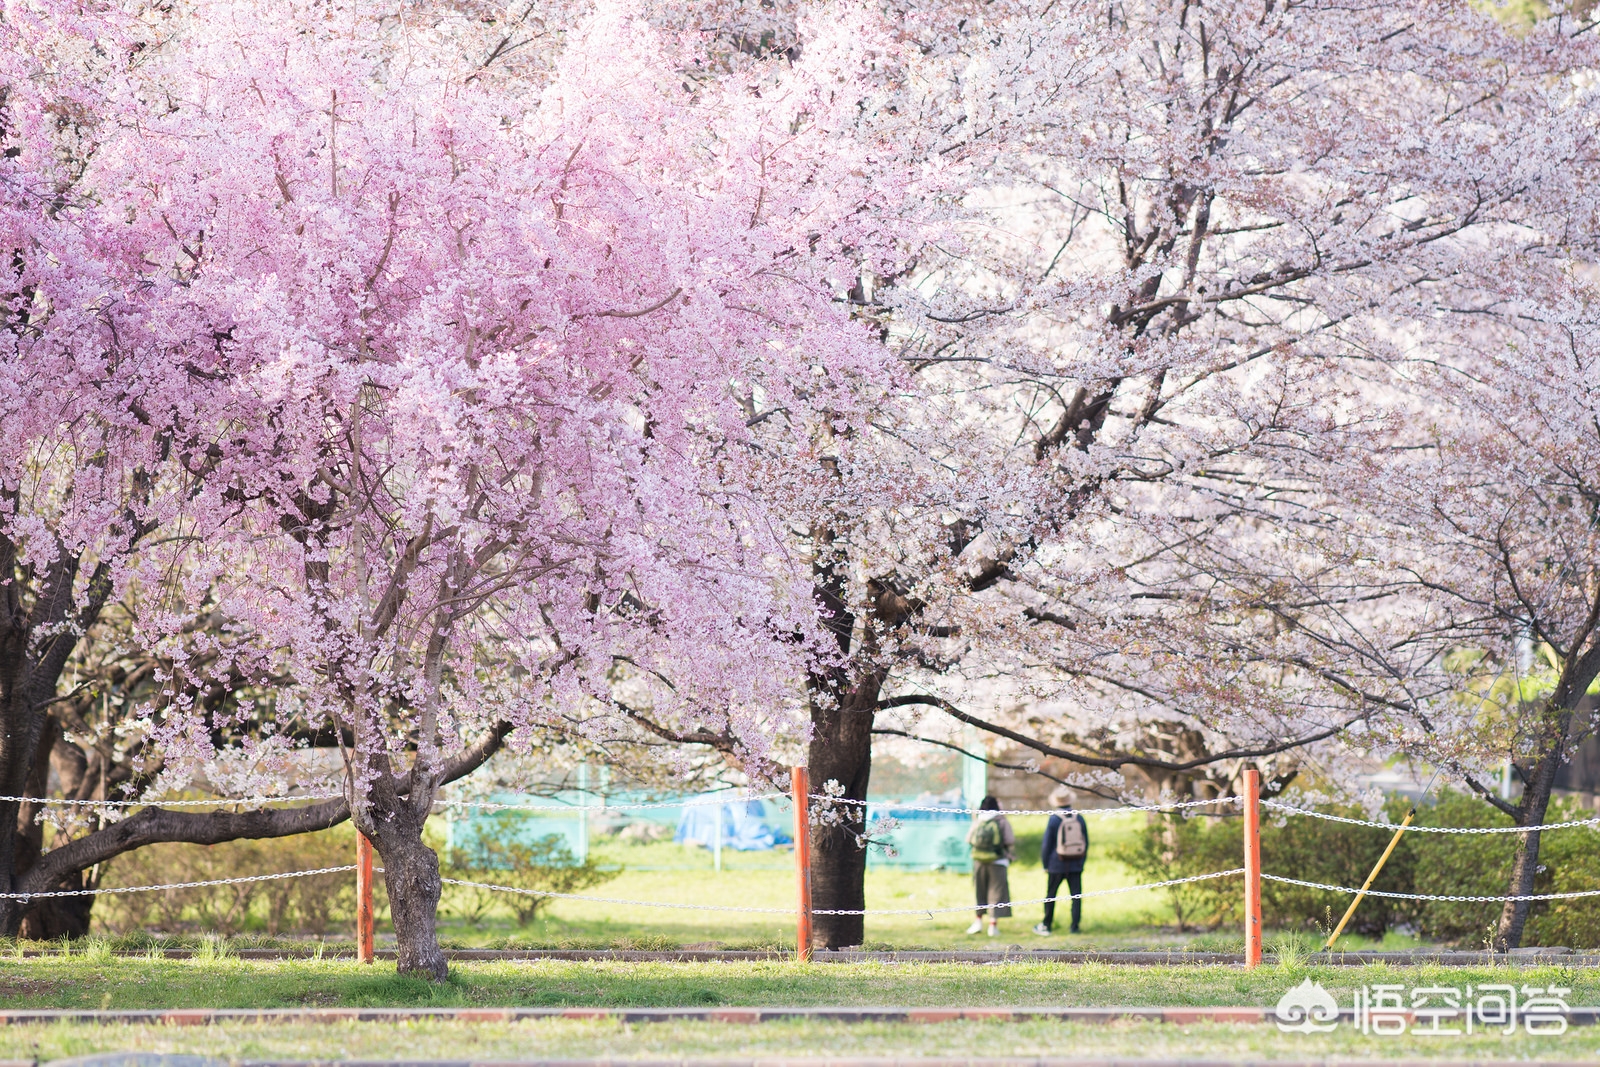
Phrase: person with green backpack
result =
(992, 841)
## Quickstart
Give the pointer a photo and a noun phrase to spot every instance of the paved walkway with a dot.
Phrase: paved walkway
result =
(152, 1060)
(1577, 1016)
(1009, 954)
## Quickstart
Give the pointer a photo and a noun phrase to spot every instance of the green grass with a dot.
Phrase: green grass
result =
(672, 873)
(95, 981)
(135, 983)
(570, 1038)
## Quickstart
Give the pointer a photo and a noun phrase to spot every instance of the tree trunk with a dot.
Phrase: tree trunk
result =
(21, 836)
(58, 917)
(52, 917)
(1525, 867)
(841, 751)
(411, 875)
(36, 641)
(1552, 739)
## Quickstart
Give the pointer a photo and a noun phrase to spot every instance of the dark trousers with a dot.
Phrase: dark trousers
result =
(1074, 882)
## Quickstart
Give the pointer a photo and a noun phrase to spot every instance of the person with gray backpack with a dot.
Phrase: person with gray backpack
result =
(1066, 846)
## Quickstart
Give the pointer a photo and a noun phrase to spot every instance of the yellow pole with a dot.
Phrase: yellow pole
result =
(1351, 910)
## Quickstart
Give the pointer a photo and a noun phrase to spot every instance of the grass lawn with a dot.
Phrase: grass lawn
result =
(571, 1038)
(92, 981)
(672, 873)
(90, 975)
(667, 873)
(97, 980)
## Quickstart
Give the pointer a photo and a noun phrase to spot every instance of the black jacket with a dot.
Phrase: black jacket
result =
(1060, 864)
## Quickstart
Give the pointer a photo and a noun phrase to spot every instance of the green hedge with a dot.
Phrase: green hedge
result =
(1316, 850)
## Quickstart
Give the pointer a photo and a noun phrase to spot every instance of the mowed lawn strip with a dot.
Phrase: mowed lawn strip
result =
(113, 982)
(606, 1039)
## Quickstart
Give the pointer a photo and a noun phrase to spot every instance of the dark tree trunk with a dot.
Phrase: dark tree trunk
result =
(844, 701)
(411, 875)
(30, 734)
(53, 917)
(58, 917)
(841, 751)
(1552, 734)
(392, 815)
(1531, 813)
(36, 641)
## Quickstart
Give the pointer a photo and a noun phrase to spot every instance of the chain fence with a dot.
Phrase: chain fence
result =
(821, 799)
(177, 885)
(609, 900)
(62, 802)
(693, 802)
(607, 805)
(1452, 898)
(480, 805)
(930, 912)
(1290, 809)
(1433, 896)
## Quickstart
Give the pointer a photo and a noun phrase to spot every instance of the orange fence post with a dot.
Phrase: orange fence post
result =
(802, 864)
(1252, 867)
(364, 933)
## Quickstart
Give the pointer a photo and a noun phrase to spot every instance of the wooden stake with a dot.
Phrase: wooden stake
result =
(802, 864)
(1351, 910)
(1252, 868)
(364, 927)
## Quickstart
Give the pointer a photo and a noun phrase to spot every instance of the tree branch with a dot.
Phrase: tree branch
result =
(1096, 790)
(1116, 762)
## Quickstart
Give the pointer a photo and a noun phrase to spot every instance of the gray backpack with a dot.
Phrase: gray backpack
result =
(1070, 842)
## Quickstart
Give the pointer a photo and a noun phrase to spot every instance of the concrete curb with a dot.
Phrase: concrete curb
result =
(1578, 1016)
(151, 1060)
(1012, 954)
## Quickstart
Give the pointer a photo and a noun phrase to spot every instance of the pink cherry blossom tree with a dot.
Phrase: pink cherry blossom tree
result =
(507, 394)
(489, 379)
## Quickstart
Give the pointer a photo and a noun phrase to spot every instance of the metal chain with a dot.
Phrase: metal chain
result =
(703, 801)
(697, 802)
(828, 911)
(61, 802)
(605, 899)
(483, 805)
(930, 912)
(1291, 810)
(825, 799)
(175, 885)
(1430, 896)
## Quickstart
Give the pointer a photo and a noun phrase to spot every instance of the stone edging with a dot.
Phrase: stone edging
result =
(136, 1059)
(1577, 1016)
(1012, 954)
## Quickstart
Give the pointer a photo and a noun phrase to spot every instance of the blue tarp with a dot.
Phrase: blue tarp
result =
(744, 826)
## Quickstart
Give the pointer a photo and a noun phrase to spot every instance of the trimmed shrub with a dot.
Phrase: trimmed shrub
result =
(315, 905)
(1316, 850)
(1178, 846)
(502, 857)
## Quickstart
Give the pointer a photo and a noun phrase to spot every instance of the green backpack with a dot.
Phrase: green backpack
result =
(985, 841)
